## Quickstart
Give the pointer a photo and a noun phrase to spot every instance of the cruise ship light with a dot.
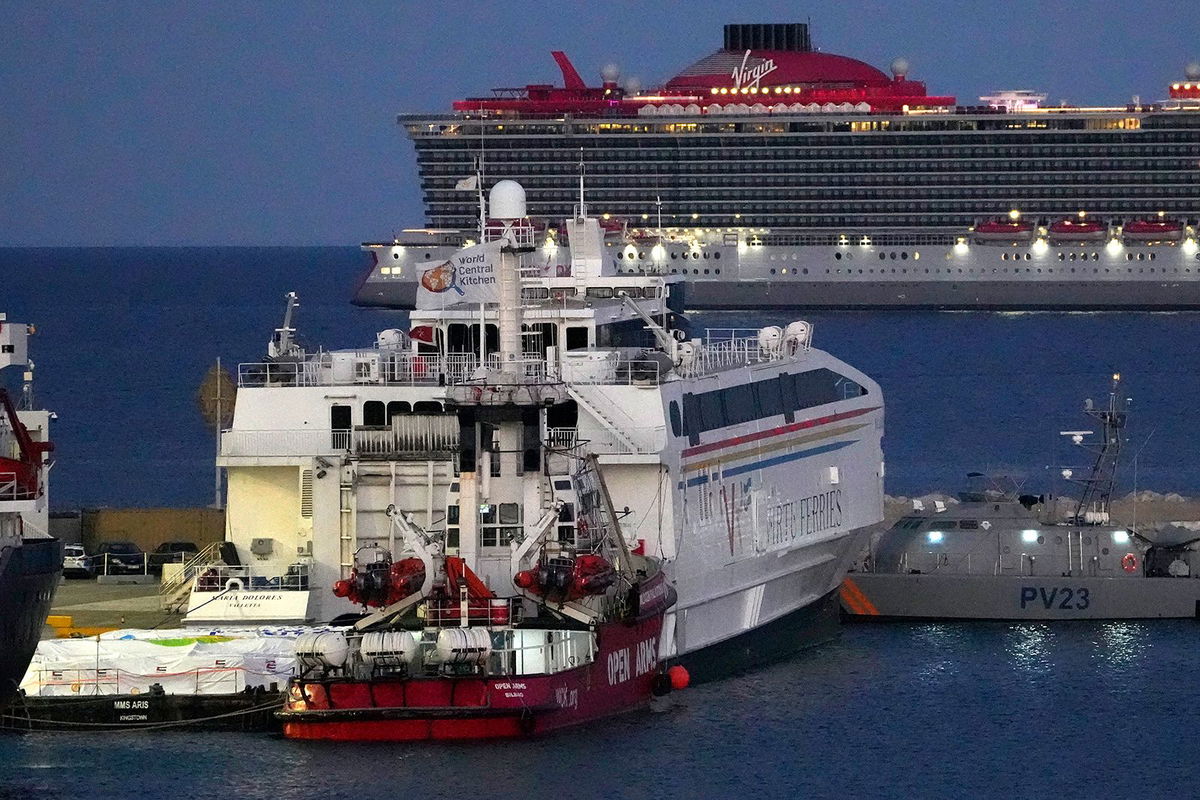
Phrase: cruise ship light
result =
(1189, 246)
(935, 537)
(960, 247)
(1114, 246)
(1120, 537)
(658, 252)
(1040, 247)
(1029, 536)
(1014, 215)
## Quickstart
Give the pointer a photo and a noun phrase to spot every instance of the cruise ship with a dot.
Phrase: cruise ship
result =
(771, 174)
(748, 461)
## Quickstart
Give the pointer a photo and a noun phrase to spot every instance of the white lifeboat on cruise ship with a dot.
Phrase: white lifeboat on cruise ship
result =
(1070, 230)
(1003, 231)
(1152, 230)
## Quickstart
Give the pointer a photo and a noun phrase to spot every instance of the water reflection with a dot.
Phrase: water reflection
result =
(1029, 648)
(1121, 645)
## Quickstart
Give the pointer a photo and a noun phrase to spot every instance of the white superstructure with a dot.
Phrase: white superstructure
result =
(748, 460)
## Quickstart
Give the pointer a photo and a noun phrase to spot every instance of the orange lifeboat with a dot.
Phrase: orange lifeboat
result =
(1003, 231)
(1152, 230)
(1070, 230)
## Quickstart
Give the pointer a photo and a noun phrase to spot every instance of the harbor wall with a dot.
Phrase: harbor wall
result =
(150, 527)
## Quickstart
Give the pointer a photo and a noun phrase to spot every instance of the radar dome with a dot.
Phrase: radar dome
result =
(610, 73)
(1192, 71)
(507, 200)
(900, 67)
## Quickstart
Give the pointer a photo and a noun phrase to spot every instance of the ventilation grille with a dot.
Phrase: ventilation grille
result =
(306, 493)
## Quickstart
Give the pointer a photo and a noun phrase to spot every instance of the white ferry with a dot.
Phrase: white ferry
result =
(748, 462)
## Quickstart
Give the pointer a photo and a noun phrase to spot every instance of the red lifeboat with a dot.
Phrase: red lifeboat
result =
(1153, 230)
(382, 583)
(1004, 231)
(1078, 230)
(561, 579)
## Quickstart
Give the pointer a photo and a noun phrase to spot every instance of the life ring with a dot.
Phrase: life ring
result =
(1129, 562)
(233, 585)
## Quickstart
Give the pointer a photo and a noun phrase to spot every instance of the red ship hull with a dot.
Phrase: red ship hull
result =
(396, 709)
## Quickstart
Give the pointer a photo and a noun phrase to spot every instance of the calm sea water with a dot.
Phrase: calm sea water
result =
(1091, 710)
(125, 336)
(1071, 710)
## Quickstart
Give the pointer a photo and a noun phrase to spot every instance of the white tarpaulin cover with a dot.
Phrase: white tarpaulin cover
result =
(220, 661)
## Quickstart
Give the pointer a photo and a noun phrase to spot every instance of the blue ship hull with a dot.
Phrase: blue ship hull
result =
(28, 577)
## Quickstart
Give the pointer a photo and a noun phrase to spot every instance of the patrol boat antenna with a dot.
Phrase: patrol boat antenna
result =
(1093, 505)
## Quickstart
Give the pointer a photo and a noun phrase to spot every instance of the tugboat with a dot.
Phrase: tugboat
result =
(575, 635)
(445, 658)
(1002, 555)
(30, 560)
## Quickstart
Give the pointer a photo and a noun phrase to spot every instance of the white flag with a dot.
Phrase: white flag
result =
(471, 275)
(468, 184)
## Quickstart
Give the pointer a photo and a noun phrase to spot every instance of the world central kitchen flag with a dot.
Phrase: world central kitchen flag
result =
(469, 276)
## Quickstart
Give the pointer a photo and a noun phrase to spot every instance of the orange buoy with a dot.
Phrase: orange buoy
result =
(679, 677)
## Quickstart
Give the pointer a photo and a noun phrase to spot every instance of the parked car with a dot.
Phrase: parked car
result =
(76, 562)
(169, 553)
(119, 558)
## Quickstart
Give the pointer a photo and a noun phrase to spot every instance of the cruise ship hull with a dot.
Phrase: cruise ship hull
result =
(718, 273)
(831, 295)
(28, 577)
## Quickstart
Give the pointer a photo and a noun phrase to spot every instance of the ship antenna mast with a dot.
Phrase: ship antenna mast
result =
(1093, 505)
(581, 210)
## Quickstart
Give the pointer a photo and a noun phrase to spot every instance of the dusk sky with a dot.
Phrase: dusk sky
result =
(185, 123)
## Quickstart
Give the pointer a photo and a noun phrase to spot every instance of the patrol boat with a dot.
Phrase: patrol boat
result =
(1002, 555)
(749, 462)
(30, 560)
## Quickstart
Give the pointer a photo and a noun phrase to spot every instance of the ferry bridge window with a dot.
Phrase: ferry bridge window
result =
(396, 408)
(785, 394)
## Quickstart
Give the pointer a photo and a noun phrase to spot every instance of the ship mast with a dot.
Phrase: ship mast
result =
(1094, 503)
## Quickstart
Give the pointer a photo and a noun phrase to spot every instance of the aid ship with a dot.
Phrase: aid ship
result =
(30, 559)
(770, 174)
(465, 481)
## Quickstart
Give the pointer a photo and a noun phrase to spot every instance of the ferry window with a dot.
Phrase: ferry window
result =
(427, 407)
(769, 398)
(374, 414)
(577, 338)
(676, 419)
(969, 524)
(602, 292)
(397, 407)
(740, 405)
(712, 412)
